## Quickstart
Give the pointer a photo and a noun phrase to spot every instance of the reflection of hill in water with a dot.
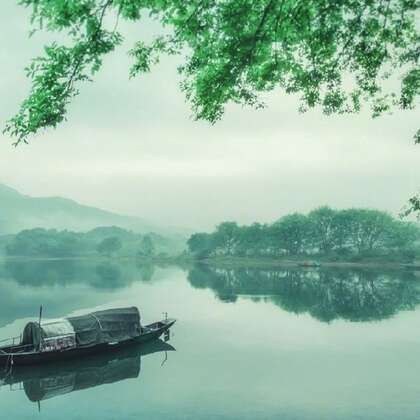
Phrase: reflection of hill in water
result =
(51, 380)
(326, 294)
(60, 285)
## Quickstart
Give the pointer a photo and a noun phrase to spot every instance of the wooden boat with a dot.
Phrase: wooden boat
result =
(76, 337)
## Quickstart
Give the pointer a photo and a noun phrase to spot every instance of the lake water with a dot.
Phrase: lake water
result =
(249, 343)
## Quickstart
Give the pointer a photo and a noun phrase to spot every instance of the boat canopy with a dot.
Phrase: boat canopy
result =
(55, 334)
(106, 326)
(112, 325)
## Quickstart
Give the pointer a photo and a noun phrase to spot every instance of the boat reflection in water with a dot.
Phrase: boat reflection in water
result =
(51, 380)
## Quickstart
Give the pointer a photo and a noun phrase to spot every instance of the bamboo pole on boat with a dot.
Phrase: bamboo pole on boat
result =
(40, 315)
(39, 323)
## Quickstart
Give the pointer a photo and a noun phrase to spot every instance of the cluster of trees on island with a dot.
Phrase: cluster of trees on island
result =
(103, 241)
(324, 231)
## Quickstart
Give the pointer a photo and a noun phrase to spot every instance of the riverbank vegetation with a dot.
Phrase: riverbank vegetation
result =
(102, 241)
(335, 235)
(324, 234)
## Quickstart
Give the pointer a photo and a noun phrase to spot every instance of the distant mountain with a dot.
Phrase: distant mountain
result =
(18, 212)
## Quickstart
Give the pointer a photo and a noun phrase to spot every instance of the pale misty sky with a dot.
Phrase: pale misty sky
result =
(132, 147)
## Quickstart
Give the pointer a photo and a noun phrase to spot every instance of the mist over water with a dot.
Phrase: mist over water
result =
(249, 343)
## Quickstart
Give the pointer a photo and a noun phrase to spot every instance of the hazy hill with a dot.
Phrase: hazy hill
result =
(18, 212)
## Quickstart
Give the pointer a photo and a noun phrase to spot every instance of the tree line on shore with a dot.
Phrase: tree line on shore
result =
(323, 231)
(101, 241)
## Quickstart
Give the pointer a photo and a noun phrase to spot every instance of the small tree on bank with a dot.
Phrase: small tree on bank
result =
(109, 246)
(147, 247)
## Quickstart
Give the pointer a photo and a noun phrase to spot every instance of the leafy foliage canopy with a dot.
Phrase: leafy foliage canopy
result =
(335, 54)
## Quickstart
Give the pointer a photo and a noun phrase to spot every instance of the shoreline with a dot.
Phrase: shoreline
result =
(233, 262)
(300, 263)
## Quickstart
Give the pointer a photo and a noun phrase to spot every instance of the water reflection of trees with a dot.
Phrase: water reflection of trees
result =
(63, 286)
(97, 274)
(327, 294)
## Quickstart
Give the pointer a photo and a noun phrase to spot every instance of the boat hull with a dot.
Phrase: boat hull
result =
(9, 360)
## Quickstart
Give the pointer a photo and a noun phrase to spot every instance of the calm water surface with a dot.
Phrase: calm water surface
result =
(249, 344)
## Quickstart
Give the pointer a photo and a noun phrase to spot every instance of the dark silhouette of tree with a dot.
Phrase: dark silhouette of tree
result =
(109, 246)
(200, 245)
(46, 243)
(324, 232)
(292, 233)
(323, 222)
(413, 205)
(226, 238)
(147, 248)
